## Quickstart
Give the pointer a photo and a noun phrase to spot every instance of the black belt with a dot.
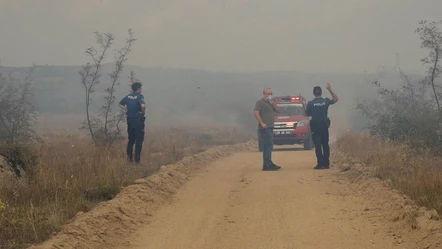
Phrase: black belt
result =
(136, 117)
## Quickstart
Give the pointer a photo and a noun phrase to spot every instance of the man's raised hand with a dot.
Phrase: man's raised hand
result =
(328, 86)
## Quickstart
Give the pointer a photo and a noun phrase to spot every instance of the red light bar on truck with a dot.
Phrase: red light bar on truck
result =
(291, 99)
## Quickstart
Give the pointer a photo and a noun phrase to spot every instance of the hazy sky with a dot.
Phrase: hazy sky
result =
(221, 35)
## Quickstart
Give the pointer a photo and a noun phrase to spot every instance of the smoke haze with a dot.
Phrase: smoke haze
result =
(208, 61)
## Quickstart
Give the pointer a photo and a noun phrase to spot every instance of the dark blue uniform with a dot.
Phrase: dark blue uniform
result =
(319, 124)
(135, 123)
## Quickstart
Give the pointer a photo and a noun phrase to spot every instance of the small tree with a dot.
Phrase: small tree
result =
(412, 112)
(431, 38)
(17, 107)
(104, 127)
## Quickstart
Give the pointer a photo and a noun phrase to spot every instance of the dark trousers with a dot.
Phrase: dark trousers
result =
(267, 136)
(135, 132)
(321, 139)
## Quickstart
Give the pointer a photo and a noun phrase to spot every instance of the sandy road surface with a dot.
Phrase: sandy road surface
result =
(220, 198)
(232, 204)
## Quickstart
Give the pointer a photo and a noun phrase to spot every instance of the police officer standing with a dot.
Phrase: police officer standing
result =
(135, 107)
(320, 123)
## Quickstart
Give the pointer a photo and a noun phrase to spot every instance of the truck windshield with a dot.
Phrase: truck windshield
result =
(291, 110)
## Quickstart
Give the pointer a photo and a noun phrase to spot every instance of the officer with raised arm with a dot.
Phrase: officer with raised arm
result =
(320, 123)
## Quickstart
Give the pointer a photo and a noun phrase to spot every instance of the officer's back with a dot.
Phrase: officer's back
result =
(317, 108)
(133, 102)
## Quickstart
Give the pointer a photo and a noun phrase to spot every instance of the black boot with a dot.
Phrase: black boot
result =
(276, 166)
(319, 166)
(271, 167)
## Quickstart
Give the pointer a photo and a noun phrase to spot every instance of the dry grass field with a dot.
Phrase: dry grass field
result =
(418, 174)
(66, 173)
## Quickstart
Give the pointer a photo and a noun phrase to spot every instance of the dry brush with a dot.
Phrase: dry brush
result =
(69, 173)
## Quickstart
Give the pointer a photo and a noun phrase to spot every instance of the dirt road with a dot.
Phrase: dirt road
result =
(222, 199)
(232, 204)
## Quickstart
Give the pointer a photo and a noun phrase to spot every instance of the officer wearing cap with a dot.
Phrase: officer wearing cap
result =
(135, 108)
(317, 109)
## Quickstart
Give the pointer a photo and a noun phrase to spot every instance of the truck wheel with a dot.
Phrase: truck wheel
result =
(308, 144)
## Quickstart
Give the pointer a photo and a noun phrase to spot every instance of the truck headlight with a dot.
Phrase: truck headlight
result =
(301, 123)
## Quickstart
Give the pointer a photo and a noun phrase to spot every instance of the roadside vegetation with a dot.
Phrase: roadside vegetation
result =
(403, 145)
(46, 179)
(64, 174)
